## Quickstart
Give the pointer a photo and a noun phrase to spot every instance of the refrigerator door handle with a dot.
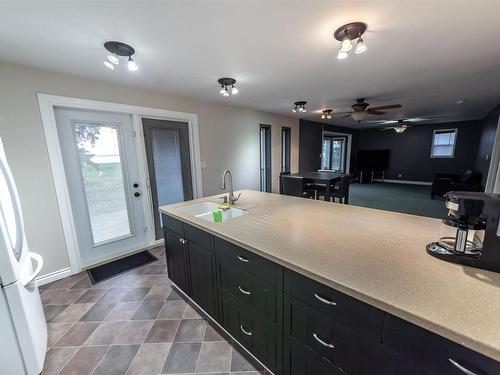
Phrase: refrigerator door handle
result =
(17, 209)
(39, 264)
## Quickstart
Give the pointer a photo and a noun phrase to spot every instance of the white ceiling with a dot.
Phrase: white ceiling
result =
(425, 55)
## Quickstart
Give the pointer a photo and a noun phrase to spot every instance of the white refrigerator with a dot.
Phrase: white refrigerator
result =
(23, 332)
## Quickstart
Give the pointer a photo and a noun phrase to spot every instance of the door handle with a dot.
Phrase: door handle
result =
(461, 368)
(242, 290)
(324, 300)
(248, 333)
(326, 344)
(39, 264)
(243, 259)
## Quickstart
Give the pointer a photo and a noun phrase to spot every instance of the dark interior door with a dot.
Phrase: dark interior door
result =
(265, 158)
(169, 164)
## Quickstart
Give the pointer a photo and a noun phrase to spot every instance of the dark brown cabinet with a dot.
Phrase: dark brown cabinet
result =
(297, 326)
(191, 263)
(176, 254)
(202, 267)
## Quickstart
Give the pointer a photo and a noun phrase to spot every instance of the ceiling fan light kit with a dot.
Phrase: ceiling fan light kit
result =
(400, 126)
(360, 110)
(227, 87)
(346, 34)
(116, 50)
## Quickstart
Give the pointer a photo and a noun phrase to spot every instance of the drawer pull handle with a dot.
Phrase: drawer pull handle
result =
(248, 333)
(244, 291)
(324, 300)
(326, 344)
(461, 368)
(243, 259)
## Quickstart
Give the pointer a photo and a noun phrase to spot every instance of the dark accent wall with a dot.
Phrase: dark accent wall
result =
(410, 151)
(486, 141)
(310, 137)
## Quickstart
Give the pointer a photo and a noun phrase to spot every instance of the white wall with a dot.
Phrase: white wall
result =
(229, 139)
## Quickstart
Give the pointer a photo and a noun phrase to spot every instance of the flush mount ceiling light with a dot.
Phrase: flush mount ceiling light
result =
(346, 34)
(327, 114)
(117, 49)
(300, 106)
(227, 86)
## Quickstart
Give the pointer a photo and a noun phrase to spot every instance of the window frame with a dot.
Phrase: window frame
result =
(454, 130)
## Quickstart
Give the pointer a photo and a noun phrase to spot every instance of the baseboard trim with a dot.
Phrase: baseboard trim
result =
(53, 276)
(406, 182)
(213, 321)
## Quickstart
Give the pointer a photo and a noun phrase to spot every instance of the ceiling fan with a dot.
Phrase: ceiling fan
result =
(400, 126)
(360, 110)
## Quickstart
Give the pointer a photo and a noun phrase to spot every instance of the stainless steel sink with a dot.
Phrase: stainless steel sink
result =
(204, 210)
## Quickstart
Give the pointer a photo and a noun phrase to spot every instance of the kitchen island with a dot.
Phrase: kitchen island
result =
(328, 287)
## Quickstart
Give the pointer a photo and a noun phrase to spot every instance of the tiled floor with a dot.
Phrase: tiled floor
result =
(132, 324)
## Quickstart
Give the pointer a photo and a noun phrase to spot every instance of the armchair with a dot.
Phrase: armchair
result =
(445, 182)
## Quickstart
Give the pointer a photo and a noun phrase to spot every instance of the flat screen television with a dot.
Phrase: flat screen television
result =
(373, 160)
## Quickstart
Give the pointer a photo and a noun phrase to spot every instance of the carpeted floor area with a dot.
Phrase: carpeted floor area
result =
(409, 199)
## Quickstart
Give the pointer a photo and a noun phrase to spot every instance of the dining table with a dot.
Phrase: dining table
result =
(329, 179)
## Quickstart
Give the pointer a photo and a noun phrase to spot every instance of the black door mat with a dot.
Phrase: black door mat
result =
(119, 266)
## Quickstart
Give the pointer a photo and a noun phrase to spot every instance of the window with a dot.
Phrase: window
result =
(443, 143)
(333, 153)
(285, 149)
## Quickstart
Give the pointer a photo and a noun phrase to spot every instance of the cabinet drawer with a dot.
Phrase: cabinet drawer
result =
(249, 289)
(202, 238)
(380, 360)
(434, 352)
(331, 339)
(259, 337)
(362, 317)
(250, 262)
(173, 224)
(303, 361)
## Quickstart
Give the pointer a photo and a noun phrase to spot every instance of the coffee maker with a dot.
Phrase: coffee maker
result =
(470, 234)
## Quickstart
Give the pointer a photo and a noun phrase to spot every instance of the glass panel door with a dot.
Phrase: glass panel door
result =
(326, 153)
(102, 173)
(167, 149)
(338, 154)
(333, 154)
(103, 179)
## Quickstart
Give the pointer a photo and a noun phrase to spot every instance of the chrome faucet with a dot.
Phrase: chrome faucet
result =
(231, 198)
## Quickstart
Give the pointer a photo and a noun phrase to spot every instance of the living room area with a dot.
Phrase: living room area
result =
(402, 165)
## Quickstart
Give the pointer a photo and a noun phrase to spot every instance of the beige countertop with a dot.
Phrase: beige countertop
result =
(376, 256)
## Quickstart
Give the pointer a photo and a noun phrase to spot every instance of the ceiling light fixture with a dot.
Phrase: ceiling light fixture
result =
(346, 34)
(114, 59)
(300, 106)
(132, 66)
(227, 85)
(327, 114)
(360, 46)
(108, 65)
(117, 49)
(342, 55)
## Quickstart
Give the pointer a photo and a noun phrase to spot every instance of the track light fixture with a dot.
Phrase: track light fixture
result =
(117, 49)
(300, 107)
(346, 34)
(227, 86)
(327, 114)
